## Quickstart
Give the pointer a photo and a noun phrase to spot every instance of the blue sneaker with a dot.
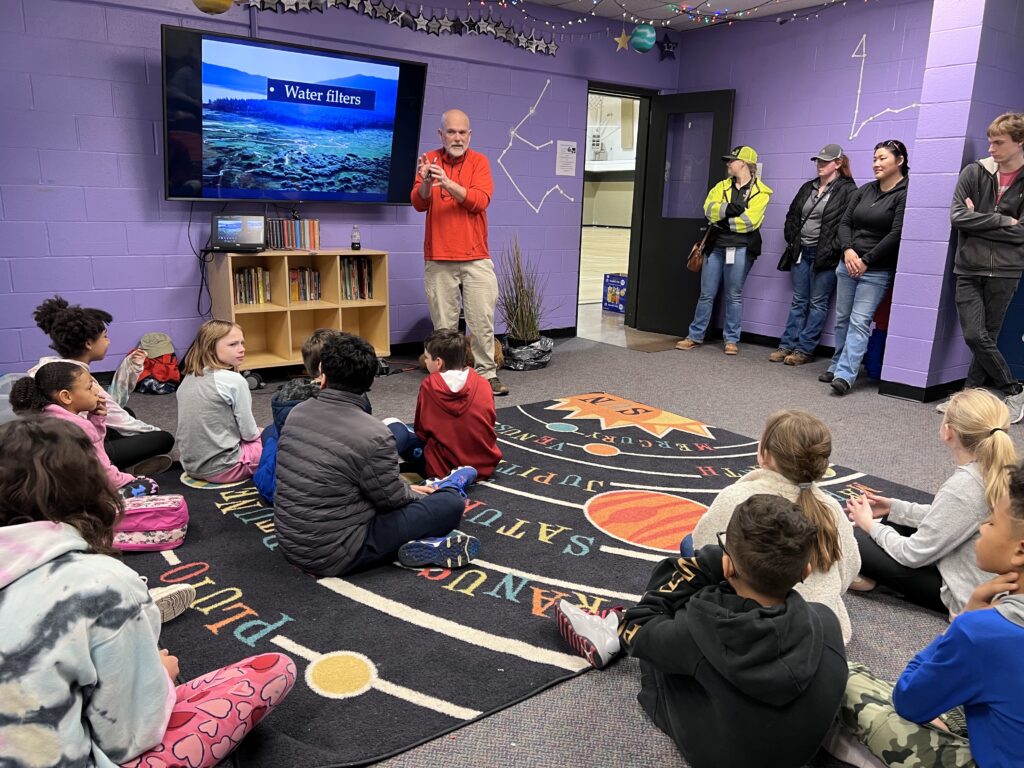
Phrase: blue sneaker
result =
(458, 479)
(452, 551)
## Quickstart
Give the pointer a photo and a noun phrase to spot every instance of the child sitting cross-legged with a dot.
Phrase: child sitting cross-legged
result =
(958, 702)
(340, 503)
(735, 665)
(217, 434)
(65, 390)
(455, 415)
(83, 679)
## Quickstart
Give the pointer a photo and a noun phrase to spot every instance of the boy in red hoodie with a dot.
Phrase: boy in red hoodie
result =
(454, 413)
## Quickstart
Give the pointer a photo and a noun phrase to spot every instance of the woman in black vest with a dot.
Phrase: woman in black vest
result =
(812, 253)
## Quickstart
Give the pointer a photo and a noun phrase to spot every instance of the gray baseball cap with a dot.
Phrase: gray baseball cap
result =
(829, 153)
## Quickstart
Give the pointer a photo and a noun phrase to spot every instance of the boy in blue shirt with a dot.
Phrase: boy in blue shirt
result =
(977, 664)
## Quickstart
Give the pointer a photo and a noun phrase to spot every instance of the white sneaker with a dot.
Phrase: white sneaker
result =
(1016, 405)
(593, 637)
(172, 600)
(941, 407)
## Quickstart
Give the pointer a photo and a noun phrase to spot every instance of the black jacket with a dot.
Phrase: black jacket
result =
(336, 468)
(987, 243)
(828, 254)
(873, 224)
(735, 684)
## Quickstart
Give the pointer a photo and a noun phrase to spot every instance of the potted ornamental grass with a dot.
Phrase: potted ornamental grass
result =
(520, 308)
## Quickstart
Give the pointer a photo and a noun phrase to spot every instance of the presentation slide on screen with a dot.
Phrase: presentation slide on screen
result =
(277, 121)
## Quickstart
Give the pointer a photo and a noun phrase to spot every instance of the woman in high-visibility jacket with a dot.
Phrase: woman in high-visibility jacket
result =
(735, 207)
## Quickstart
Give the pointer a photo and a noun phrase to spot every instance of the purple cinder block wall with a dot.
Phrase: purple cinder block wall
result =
(797, 90)
(990, 84)
(81, 159)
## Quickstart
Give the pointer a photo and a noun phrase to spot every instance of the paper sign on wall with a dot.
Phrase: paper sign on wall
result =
(565, 158)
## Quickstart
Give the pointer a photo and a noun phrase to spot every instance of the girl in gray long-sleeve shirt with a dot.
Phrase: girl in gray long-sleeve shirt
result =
(933, 564)
(217, 435)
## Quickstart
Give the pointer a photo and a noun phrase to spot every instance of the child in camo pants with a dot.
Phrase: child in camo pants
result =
(976, 664)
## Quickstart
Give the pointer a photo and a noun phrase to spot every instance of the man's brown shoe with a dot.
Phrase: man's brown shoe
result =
(687, 344)
(731, 349)
(497, 388)
(797, 358)
(779, 355)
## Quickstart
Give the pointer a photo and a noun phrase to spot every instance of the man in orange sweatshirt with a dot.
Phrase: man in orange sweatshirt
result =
(454, 187)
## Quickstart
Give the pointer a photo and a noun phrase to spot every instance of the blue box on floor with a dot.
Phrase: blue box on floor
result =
(614, 294)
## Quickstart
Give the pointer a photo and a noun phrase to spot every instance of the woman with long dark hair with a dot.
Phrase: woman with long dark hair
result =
(869, 235)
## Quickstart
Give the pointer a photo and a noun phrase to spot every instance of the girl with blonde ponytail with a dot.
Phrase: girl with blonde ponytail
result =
(926, 551)
(792, 457)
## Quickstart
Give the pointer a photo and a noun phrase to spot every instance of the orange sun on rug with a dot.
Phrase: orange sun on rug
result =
(615, 412)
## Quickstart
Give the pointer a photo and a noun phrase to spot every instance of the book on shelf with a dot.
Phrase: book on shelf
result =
(252, 285)
(356, 277)
(304, 284)
(293, 234)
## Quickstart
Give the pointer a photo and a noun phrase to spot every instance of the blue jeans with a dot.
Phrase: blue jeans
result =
(857, 298)
(710, 278)
(436, 514)
(409, 447)
(812, 292)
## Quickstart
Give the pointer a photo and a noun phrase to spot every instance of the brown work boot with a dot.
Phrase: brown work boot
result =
(779, 355)
(687, 343)
(797, 358)
(498, 388)
(731, 349)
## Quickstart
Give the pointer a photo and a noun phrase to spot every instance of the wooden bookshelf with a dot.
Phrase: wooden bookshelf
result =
(276, 329)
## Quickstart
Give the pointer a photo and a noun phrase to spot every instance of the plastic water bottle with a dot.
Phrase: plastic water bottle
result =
(356, 239)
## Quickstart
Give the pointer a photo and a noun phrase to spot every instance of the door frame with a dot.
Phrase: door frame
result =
(671, 235)
(644, 96)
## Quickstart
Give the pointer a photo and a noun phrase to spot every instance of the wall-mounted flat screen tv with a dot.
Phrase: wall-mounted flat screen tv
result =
(257, 120)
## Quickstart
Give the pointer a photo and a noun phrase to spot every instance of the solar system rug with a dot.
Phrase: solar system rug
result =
(592, 491)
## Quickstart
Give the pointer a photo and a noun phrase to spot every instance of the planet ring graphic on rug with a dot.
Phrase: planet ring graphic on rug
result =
(206, 485)
(346, 674)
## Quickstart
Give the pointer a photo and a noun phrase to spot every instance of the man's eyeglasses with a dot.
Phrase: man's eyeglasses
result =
(721, 545)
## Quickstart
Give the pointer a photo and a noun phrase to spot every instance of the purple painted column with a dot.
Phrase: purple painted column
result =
(972, 74)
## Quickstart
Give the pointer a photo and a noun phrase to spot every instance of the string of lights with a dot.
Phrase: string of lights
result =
(700, 12)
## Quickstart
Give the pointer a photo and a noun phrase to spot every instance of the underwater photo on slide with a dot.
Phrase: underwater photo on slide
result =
(276, 121)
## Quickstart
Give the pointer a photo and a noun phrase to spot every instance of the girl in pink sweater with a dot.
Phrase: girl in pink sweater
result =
(68, 391)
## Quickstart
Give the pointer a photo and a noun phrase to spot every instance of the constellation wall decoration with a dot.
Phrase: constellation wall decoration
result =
(406, 16)
(861, 52)
(513, 134)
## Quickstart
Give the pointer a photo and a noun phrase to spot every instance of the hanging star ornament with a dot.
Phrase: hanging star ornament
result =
(445, 23)
(622, 41)
(433, 26)
(471, 25)
(420, 21)
(666, 48)
(394, 16)
(355, 4)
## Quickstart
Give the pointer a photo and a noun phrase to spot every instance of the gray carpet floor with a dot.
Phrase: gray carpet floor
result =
(594, 720)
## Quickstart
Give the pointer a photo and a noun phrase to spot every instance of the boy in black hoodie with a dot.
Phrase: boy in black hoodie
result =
(735, 666)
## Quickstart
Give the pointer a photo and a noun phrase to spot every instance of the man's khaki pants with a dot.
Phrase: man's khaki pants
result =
(442, 279)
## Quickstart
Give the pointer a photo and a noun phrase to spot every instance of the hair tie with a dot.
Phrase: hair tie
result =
(804, 486)
(996, 429)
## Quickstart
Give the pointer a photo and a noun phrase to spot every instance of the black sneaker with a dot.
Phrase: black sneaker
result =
(840, 386)
(826, 377)
(497, 388)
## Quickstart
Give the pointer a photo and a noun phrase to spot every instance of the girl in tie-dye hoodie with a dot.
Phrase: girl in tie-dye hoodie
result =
(82, 680)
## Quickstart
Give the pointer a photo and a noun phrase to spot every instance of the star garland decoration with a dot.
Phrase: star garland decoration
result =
(402, 15)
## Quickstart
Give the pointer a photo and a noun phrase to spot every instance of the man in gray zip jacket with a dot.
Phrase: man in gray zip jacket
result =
(986, 212)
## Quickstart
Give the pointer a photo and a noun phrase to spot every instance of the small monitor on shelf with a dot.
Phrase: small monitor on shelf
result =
(237, 232)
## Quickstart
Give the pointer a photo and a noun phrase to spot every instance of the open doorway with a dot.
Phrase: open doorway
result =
(608, 185)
